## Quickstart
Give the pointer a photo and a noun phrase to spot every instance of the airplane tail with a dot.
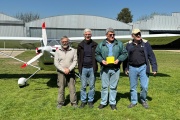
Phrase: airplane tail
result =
(44, 36)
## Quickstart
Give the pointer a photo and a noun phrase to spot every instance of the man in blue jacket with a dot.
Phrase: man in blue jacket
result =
(140, 54)
(110, 69)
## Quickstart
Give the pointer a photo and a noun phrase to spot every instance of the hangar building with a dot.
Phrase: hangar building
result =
(73, 25)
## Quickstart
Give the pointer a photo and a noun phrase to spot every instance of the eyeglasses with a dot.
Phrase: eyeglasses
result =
(137, 34)
(64, 41)
(111, 35)
(87, 34)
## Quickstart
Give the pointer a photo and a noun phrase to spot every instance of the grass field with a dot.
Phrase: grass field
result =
(37, 101)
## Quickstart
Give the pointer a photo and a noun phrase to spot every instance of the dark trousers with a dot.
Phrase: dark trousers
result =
(62, 81)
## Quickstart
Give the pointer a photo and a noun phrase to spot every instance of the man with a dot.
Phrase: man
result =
(65, 60)
(139, 55)
(110, 70)
(87, 66)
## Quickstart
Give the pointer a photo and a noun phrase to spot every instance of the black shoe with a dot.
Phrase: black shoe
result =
(82, 105)
(113, 107)
(101, 106)
(90, 104)
(145, 105)
(131, 105)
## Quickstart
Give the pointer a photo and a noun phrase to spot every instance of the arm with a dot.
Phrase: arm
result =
(98, 55)
(57, 60)
(123, 53)
(151, 58)
(74, 62)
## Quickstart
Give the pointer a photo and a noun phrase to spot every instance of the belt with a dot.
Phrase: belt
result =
(137, 65)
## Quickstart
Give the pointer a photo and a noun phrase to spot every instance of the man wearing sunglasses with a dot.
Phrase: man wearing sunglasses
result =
(110, 53)
(140, 54)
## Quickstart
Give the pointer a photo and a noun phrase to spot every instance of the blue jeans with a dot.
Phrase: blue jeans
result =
(109, 78)
(134, 73)
(87, 76)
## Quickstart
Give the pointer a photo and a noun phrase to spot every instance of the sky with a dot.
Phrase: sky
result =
(103, 8)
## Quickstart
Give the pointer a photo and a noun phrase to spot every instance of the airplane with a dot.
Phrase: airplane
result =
(46, 52)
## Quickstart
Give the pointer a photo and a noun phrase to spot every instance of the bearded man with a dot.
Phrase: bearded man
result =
(65, 60)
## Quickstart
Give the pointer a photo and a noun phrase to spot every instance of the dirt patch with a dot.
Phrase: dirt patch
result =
(10, 53)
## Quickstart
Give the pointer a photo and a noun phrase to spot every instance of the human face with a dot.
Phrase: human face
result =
(87, 35)
(137, 36)
(65, 43)
(110, 36)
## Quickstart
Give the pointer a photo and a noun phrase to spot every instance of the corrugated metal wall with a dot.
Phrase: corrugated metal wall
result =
(73, 26)
(10, 26)
(160, 22)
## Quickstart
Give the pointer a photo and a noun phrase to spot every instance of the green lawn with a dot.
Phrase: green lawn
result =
(37, 101)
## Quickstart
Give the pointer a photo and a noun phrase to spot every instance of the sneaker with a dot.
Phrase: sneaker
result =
(82, 105)
(101, 106)
(59, 106)
(113, 107)
(90, 104)
(131, 105)
(145, 105)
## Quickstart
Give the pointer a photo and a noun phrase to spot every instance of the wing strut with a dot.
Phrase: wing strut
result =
(22, 81)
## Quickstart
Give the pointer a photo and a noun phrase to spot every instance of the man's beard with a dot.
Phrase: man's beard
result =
(65, 46)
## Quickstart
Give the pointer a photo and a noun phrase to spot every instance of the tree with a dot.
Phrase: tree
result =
(146, 17)
(125, 16)
(27, 17)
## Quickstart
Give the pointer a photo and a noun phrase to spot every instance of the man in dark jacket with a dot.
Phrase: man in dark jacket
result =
(139, 55)
(110, 53)
(87, 66)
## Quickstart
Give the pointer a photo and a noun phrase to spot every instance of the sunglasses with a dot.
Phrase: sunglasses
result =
(87, 34)
(137, 34)
(111, 35)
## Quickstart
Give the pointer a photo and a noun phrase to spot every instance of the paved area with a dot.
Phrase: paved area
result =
(11, 53)
(169, 50)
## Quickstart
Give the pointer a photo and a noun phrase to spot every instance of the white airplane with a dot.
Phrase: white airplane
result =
(46, 52)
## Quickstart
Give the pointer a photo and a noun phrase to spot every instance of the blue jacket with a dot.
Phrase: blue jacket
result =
(149, 56)
(119, 52)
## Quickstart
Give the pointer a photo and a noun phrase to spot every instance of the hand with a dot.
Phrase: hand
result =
(154, 73)
(66, 71)
(104, 62)
(127, 72)
(116, 61)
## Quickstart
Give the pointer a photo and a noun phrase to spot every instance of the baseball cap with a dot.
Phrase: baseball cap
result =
(109, 30)
(135, 31)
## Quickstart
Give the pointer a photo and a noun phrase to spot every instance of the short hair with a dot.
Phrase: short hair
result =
(87, 30)
(110, 30)
(64, 37)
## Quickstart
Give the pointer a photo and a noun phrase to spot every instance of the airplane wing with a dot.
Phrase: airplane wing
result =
(21, 38)
(124, 37)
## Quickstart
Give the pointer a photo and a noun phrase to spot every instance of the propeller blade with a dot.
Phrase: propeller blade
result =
(32, 60)
(44, 35)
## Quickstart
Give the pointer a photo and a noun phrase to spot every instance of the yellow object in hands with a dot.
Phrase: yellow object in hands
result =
(110, 60)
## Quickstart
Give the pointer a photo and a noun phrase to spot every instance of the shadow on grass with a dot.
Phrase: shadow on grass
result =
(96, 97)
(53, 76)
(122, 74)
(127, 96)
